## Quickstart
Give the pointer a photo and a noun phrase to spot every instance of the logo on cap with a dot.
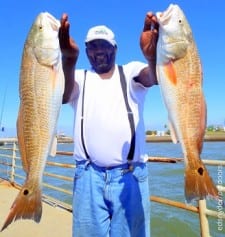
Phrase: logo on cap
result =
(100, 32)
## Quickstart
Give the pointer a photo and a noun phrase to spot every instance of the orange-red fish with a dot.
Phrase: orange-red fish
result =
(179, 74)
(41, 90)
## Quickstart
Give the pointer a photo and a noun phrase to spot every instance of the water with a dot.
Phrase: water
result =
(166, 180)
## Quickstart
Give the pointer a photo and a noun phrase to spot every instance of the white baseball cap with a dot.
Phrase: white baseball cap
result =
(100, 32)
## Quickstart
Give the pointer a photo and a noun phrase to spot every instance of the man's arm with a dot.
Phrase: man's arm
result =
(70, 53)
(148, 44)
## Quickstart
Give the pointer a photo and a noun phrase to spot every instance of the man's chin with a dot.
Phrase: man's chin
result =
(104, 68)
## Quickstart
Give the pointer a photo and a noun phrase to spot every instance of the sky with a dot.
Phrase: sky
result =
(126, 19)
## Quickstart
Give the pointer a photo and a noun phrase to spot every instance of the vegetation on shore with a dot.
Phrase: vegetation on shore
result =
(210, 131)
(210, 135)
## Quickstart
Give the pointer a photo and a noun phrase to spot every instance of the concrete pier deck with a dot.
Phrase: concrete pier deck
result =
(55, 221)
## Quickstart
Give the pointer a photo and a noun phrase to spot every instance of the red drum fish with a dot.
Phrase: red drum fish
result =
(41, 88)
(179, 73)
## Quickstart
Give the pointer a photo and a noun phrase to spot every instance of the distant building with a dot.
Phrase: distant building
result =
(160, 133)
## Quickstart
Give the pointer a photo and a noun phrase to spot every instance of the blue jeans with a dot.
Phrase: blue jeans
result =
(111, 202)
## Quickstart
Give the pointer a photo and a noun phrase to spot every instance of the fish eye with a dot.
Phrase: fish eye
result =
(180, 21)
(40, 27)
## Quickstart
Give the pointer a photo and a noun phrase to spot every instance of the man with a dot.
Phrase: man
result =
(111, 190)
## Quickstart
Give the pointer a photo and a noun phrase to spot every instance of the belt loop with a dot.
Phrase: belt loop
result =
(86, 164)
(130, 167)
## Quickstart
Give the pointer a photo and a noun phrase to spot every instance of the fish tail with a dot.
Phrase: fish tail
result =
(198, 183)
(27, 205)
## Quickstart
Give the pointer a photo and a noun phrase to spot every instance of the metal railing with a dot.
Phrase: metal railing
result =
(11, 169)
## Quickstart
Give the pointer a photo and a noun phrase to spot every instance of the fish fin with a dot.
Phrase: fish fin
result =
(53, 147)
(27, 205)
(202, 123)
(170, 72)
(173, 133)
(21, 141)
(198, 183)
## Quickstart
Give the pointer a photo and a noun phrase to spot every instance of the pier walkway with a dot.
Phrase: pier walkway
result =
(55, 221)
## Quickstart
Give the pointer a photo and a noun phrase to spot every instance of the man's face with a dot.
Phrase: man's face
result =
(101, 55)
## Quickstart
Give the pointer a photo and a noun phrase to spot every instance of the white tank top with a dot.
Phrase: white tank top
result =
(106, 129)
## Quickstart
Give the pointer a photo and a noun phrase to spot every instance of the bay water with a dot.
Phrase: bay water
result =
(167, 180)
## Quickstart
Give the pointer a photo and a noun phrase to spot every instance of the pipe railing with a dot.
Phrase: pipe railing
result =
(11, 170)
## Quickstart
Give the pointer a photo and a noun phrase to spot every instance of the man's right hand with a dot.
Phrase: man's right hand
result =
(70, 52)
(69, 48)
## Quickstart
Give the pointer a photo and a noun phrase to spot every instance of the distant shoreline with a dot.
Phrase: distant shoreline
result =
(149, 138)
(167, 138)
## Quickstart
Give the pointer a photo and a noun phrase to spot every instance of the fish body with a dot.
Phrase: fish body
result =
(41, 88)
(179, 73)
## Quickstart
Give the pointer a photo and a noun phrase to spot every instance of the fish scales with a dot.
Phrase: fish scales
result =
(179, 73)
(41, 89)
(189, 89)
(35, 110)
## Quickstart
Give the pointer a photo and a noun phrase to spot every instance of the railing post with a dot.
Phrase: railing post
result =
(204, 225)
(13, 163)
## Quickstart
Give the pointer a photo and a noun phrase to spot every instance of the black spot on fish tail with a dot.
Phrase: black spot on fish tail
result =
(26, 192)
(200, 171)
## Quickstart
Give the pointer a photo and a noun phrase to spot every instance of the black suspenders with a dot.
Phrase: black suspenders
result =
(129, 114)
(82, 118)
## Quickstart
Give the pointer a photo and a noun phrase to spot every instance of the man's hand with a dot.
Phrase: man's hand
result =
(70, 52)
(69, 48)
(149, 37)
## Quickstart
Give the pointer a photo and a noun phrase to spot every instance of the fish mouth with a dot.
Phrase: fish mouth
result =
(54, 23)
(44, 40)
(46, 19)
(164, 17)
(47, 28)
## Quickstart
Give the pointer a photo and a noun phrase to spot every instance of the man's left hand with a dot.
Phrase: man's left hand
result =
(149, 37)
